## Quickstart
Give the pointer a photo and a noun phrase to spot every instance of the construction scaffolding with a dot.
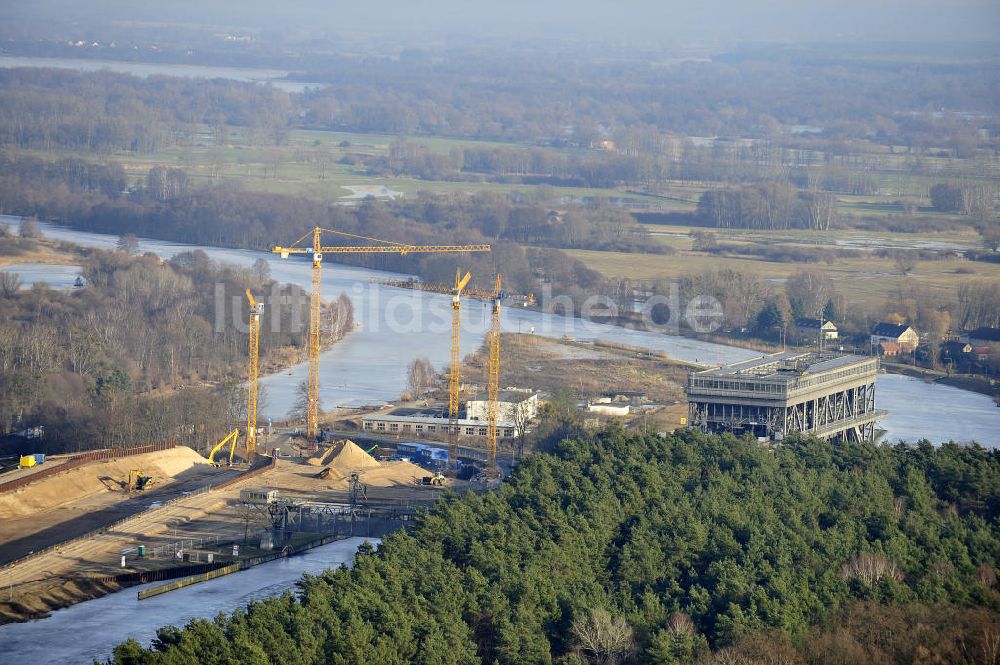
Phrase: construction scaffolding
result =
(828, 395)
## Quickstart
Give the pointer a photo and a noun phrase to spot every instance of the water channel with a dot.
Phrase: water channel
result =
(369, 367)
(90, 630)
(397, 325)
(275, 77)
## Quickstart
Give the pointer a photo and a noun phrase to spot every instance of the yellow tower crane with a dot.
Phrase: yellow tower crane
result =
(493, 388)
(252, 385)
(523, 299)
(317, 250)
(455, 379)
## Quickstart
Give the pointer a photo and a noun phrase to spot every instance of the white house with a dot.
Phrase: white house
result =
(903, 335)
(511, 403)
(812, 327)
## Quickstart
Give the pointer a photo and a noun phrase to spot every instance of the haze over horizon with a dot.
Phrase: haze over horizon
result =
(712, 21)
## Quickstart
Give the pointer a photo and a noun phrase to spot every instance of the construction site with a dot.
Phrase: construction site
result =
(80, 526)
(81, 531)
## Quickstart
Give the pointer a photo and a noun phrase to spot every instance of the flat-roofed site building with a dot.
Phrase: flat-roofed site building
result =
(828, 395)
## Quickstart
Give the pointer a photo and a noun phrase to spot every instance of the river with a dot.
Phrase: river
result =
(56, 276)
(397, 325)
(275, 77)
(91, 629)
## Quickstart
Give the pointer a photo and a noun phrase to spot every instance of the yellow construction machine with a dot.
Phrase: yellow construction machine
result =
(231, 439)
(137, 481)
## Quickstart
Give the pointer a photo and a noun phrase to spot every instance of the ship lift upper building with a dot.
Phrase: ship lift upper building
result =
(823, 394)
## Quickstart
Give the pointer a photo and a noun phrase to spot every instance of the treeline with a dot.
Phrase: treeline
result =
(643, 157)
(967, 198)
(638, 105)
(580, 94)
(768, 206)
(101, 112)
(622, 548)
(527, 165)
(99, 197)
(87, 364)
(166, 206)
(755, 306)
(750, 93)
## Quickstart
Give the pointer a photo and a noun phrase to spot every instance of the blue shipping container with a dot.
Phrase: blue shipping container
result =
(39, 458)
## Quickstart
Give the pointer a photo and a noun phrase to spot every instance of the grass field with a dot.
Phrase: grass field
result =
(678, 236)
(866, 280)
(309, 165)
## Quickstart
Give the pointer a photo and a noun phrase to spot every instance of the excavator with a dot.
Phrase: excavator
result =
(231, 439)
(137, 481)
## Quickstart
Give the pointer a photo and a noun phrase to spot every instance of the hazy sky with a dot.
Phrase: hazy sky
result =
(620, 21)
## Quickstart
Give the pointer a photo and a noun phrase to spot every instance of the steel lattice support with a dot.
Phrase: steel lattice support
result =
(493, 390)
(253, 386)
(315, 306)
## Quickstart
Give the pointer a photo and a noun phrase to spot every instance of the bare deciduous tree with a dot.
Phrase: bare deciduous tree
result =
(680, 623)
(979, 303)
(128, 244)
(301, 405)
(29, 229)
(905, 261)
(821, 210)
(339, 318)
(521, 416)
(870, 567)
(808, 292)
(420, 376)
(603, 638)
(10, 284)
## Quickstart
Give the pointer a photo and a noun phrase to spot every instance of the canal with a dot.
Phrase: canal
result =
(91, 629)
(396, 326)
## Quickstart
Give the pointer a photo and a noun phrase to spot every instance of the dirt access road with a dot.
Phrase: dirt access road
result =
(67, 505)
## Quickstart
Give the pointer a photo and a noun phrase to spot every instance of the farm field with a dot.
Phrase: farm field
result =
(309, 165)
(866, 280)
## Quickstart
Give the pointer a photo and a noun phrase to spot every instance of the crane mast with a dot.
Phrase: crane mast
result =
(493, 390)
(315, 304)
(455, 379)
(317, 250)
(252, 372)
(455, 369)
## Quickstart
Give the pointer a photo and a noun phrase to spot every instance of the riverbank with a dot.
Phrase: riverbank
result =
(37, 599)
(194, 533)
(88, 631)
(961, 381)
(399, 325)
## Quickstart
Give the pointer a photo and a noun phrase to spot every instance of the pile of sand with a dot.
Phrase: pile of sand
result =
(322, 458)
(348, 456)
(96, 478)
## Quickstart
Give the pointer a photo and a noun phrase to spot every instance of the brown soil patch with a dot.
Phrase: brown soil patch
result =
(550, 365)
(391, 474)
(97, 478)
